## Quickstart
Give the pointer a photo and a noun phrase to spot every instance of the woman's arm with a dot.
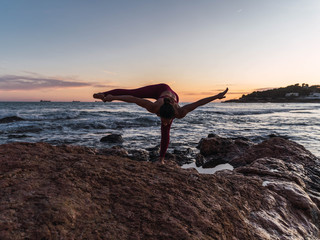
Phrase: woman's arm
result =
(190, 107)
(150, 106)
(165, 138)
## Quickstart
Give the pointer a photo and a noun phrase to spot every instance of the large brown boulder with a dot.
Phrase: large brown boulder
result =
(66, 192)
(275, 147)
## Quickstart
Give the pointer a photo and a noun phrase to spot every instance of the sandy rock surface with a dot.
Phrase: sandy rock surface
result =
(68, 192)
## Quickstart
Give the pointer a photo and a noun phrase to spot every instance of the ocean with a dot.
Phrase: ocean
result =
(85, 123)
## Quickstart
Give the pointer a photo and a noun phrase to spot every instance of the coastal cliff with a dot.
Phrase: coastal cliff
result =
(293, 93)
(71, 192)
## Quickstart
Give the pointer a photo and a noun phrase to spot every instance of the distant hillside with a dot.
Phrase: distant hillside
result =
(292, 93)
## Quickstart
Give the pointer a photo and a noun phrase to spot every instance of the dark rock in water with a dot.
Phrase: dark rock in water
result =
(154, 150)
(209, 162)
(11, 119)
(182, 151)
(72, 192)
(183, 156)
(217, 150)
(212, 135)
(183, 159)
(277, 135)
(112, 138)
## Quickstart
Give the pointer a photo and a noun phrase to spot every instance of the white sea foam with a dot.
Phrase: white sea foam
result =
(225, 166)
(266, 183)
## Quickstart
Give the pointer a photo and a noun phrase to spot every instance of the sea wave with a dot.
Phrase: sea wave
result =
(53, 116)
(135, 123)
(249, 112)
(86, 123)
(25, 129)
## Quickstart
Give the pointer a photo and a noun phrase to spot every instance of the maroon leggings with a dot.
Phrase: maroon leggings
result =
(151, 91)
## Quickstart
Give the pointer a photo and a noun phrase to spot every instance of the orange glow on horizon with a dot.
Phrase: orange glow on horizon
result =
(84, 94)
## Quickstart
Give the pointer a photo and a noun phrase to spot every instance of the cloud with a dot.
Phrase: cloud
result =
(98, 85)
(109, 72)
(199, 93)
(213, 92)
(244, 92)
(14, 82)
(264, 89)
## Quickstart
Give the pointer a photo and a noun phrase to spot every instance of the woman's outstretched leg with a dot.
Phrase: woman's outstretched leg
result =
(151, 91)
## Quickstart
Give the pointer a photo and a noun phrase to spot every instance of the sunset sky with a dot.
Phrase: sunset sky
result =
(66, 50)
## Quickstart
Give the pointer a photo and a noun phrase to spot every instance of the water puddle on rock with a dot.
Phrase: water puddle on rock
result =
(209, 170)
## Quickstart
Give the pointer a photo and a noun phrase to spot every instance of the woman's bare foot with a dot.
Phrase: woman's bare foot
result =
(98, 96)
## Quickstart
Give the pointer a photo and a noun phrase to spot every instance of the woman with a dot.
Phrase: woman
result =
(166, 105)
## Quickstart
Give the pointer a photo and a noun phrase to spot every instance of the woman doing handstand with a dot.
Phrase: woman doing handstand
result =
(166, 105)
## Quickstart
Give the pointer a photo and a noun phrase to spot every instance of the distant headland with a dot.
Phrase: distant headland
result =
(292, 93)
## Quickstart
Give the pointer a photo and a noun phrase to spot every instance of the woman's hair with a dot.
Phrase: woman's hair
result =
(167, 110)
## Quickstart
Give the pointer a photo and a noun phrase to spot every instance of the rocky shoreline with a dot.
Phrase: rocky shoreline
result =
(72, 192)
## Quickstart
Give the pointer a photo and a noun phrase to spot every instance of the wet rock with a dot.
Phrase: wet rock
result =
(112, 138)
(289, 190)
(176, 158)
(275, 147)
(217, 150)
(199, 160)
(11, 119)
(181, 151)
(210, 161)
(183, 156)
(154, 153)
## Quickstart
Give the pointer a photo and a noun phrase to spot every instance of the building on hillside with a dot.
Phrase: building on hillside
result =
(314, 95)
(292, 94)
